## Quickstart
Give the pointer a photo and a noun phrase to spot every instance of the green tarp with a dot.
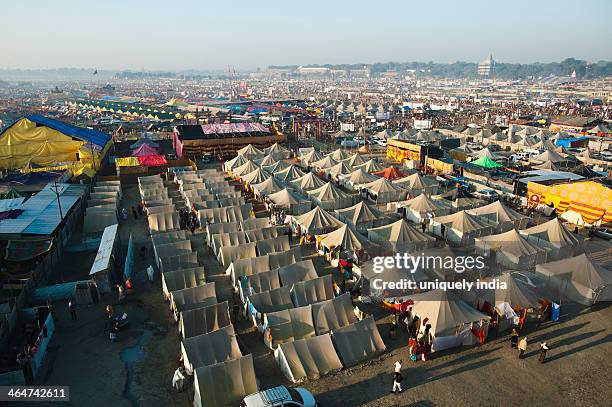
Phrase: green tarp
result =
(486, 162)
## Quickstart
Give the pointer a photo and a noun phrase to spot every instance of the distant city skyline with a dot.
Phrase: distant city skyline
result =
(191, 35)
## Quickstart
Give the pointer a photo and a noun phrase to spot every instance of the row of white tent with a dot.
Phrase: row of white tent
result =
(209, 350)
(102, 206)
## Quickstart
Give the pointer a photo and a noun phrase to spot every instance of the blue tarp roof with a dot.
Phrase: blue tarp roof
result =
(567, 142)
(90, 136)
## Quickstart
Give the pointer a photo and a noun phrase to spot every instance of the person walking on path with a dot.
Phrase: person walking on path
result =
(543, 349)
(397, 382)
(72, 308)
(522, 347)
(514, 338)
(398, 366)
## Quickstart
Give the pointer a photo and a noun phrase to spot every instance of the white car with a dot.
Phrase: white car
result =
(280, 396)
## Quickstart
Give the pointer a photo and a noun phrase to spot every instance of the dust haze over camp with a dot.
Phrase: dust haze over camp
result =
(333, 203)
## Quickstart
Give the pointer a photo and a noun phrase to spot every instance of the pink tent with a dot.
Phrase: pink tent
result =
(152, 160)
(144, 150)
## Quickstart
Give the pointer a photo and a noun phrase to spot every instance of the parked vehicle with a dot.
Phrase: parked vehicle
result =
(604, 233)
(487, 194)
(280, 396)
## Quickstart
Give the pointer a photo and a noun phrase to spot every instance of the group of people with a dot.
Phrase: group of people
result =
(188, 220)
(521, 345)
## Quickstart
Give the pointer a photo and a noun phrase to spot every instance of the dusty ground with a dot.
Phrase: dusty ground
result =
(81, 356)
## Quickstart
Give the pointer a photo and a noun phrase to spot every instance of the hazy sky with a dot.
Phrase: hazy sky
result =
(184, 34)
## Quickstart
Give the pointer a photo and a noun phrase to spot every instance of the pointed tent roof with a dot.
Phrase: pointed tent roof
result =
(250, 150)
(236, 162)
(371, 166)
(517, 293)
(360, 213)
(276, 167)
(326, 162)
(512, 243)
(308, 182)
(423, 204)
(554, 232)
(390, 173)
(415, 181)
(340, 133)
(340, 168)
(401, 232)
(328, 192)
(144, 150)
(579, 269)
(548, 155)
(355, 160)
(445, 311)
(359, 176)
(286, 197)
(486, 152)
(385, 133)
(503, 213)
(275, 148)
(312, 156)
(486, 162)
(267, 160)
(291, 173)
(382, 185)
(256, 177)
(339, 154)
(245, 168)
(346, 238)
(462, 221)
(548, 165)
(269, 186)
(317, 220)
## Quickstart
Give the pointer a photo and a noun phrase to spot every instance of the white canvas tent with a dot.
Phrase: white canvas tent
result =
(501, 216)
(259, 282)
(358, 342)
(97, 218)
(194, 297)
(288, 325)
(384, 191)
(210, 348)
(511, 250)
(460, 227)
(274, 245)
(268, 301)
(333, 314)
(224, 384)
(181, 261)
(312, 291)
(361, 216)
(401, 236)
(297, 271)
(577, 279)
(420, 207)
(228, 254)
(204, 320)
(163, 222)
(317, 221)
(308, 182)
(227, 239)
(183, 278)
(308, 359)
(330, 197)
(555, 238)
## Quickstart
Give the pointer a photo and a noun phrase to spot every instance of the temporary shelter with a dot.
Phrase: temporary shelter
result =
(277, 167)
(460, 227)
(163, 222)
(341, 168)
(317, 221)
(262, 234)
(181, 261)
(103, 267)
(183, 278)
(452, 320)
(267, 187)
(400, 237)
(390, 173)
(250, 151)
(356, 178)
(417, 184)
(555, 238)
(486, 162)
(383, 191)
(228, 254)
(312, 157)
(324, 163)
(267, 160)
(289, 174)
(577, 279)
(345, 237)
(171, 249)
(294, 203)
(210, 348)
(339, 154)
(375, 283)
(307, 359)
(308, 182)
(255, 177)
(362, 216)
(501, 216)
(288, 325)
(312, 291)
(235, 162)
(421, 207)
(191, 298)
(333, 314)
(258, 282)
(97, 218)
(510, 249)
(254, 223)
(203, 320)
(273, 245)
(245, 168)
(268, 301)
(358, 342)
(247, 267)
(224, 384)
(371, 166)
(355, 160)
(217, 228)
(292, 273)
(227, 239)
(330, 196)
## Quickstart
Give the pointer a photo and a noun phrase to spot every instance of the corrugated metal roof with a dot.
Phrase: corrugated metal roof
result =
(103, 258)
(41, 215)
